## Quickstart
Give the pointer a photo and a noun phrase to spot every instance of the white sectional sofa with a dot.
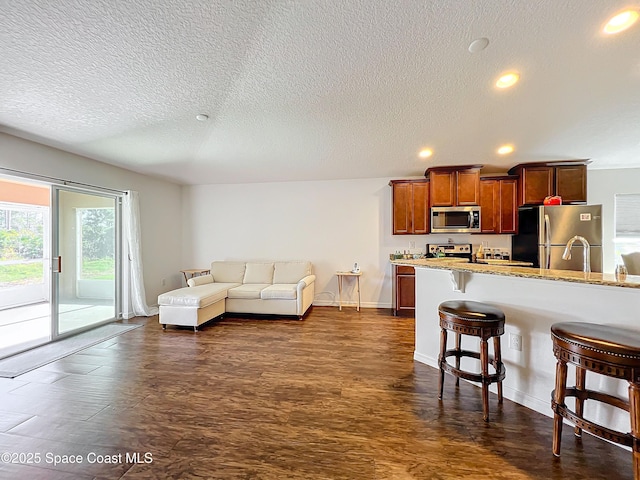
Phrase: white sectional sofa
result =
(274, 288)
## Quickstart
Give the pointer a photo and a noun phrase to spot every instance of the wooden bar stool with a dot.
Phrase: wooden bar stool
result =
(602, 349)
(478, 320)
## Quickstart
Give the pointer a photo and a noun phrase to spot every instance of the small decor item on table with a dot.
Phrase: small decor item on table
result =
(552, 200)
(621, 273)
(356, 268)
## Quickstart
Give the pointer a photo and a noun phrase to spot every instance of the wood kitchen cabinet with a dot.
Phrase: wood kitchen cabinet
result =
(404, 293)
(442, 188)
(468, 187)
(571, 183)
(508, 205)
(454, 186)
(410, 207)
(539, 180)
(498, 202)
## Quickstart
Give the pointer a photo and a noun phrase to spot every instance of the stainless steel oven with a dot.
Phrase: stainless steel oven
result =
(450, 250)
(455, 219)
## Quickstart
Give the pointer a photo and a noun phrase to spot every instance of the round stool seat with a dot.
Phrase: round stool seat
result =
(471, 311)
(609, 344)
(471, 318)
(478, 320)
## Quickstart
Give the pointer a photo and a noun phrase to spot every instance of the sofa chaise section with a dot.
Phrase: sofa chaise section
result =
(191, 307)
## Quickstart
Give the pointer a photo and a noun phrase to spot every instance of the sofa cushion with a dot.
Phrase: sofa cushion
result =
(227, 272)
(290, 272)
(199, 296)
(280, 291)
(248, 290)
(258, 273)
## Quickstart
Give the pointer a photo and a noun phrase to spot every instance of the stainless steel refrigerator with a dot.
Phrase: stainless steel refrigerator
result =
(543, 232)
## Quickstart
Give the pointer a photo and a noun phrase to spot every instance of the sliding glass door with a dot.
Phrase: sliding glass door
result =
(85, 260)
(25, 311)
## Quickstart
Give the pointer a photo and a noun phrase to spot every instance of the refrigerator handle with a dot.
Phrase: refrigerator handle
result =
(547, 242)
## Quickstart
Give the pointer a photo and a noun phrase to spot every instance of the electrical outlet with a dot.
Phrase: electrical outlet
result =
(412, 244)
(515, 342)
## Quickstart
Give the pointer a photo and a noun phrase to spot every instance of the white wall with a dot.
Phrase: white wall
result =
(331, 223)
(601, 189)
(160, 203)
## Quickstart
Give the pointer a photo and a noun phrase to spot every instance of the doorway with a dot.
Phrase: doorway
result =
(85, 252)
(59, 262)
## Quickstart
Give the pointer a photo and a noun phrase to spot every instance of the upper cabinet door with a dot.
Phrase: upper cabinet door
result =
(489, 206)
(468, 187)
(442, 189)
(420, 208)
(402, 208)
(508, 206)
(537, 183)
(571, 183)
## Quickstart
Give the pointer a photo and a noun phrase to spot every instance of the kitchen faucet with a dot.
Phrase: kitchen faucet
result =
(587, 252)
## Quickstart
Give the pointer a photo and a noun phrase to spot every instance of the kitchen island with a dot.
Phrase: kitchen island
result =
(532, 300)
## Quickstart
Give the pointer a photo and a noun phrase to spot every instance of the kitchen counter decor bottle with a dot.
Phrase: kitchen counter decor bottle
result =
(621, 273)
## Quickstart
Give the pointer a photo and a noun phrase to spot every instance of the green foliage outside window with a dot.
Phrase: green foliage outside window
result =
(20, 234)
(21, 246)
(98, 243)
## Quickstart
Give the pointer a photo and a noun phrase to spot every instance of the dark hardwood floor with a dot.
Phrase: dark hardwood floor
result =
(335, 396)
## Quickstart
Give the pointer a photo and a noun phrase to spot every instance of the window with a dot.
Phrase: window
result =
(627, 224)
(21, 244)
(96, 238)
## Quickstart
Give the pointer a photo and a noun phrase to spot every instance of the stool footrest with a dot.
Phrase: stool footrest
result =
(596, 429)
(472, 376)
(602, 397)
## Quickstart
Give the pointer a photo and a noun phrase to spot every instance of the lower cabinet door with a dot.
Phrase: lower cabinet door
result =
(405, 290)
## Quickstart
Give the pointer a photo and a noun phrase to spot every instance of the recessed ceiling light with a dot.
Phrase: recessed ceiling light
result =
(478, 45)
(425, 153)
(201, 117)
(621, 21)
(505, 149)
(507, 80)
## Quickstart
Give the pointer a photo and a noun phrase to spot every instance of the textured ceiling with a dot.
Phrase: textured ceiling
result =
(319, 89)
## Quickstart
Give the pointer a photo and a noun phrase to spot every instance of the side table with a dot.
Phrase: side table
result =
(341, 276)
(194, 272)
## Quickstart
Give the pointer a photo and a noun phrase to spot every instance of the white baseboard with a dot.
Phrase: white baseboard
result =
(329, 303)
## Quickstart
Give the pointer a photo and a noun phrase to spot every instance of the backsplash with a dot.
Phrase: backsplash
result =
(416, 244)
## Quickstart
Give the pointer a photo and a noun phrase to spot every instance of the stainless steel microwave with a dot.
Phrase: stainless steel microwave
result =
(455, 219)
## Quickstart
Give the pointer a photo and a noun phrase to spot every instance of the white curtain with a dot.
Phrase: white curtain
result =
(131, 221)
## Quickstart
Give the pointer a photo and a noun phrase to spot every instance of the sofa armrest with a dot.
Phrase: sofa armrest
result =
(200, 280)
(305, 294)
(306, 281)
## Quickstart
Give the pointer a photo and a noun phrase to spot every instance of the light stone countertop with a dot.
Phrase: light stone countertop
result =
(607, 279)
